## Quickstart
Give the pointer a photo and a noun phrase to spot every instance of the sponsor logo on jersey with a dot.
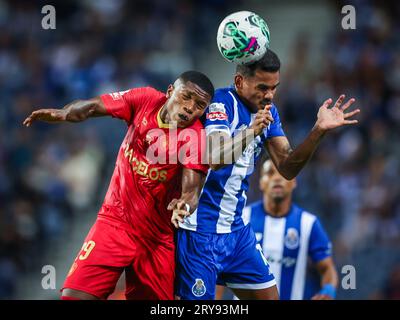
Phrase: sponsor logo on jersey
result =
(292, 239)
(216, 111)
(212, 116)
(251, 153)
(217, 107)
(199, 289)
(118, 95)
(143, 168)
(285, 261)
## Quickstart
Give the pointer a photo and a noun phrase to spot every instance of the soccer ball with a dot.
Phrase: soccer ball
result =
(243, 37)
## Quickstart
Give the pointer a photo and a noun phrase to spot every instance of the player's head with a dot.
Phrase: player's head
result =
(273, 185)
(188, 97)
(256, 83)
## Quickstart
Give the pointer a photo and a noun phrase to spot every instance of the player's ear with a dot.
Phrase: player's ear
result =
(261, 184)
(238, 81)
(169, 91)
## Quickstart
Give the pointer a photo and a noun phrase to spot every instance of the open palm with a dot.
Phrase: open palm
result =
(330, 118)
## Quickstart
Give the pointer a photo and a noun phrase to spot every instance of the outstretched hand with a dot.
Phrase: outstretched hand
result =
(47, 115)
(330, 118)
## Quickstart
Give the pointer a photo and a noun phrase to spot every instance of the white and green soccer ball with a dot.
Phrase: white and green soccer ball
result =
(243, 37)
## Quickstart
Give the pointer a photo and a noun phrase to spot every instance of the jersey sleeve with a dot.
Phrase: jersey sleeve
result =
(192, 150)
(320, 246)
(274, 129)
(219, 114)
(123, 104)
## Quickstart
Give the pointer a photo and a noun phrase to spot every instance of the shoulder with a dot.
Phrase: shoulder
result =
(221, 93)
(256, 204)
(251, 213)
(223, 96)
(149, 98)
(306, 216)
(221, 106)
(256, 208)
(147, 93)
(150, 91)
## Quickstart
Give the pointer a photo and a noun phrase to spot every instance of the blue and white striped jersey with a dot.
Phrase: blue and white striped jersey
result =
(287, 242)
(224, 194)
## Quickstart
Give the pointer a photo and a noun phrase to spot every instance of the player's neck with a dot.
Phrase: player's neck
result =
(277, 209)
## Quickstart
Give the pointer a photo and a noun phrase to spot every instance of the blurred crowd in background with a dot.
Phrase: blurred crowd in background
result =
(352, 181)
(51, 174)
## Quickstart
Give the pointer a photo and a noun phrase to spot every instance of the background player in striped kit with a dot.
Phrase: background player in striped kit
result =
(289, 235)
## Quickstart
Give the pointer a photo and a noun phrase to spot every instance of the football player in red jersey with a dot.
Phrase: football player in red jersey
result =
(133, 231)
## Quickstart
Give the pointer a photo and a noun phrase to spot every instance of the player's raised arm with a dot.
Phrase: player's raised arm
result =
(289, 162)
(75, 111)
(192, 183)
(225, 150)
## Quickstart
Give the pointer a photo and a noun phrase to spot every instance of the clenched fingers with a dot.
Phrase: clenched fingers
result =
(178, 216)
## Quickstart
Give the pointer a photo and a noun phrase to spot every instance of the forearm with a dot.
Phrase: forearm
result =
(296, 159)
(228, 149)
(80, 110)
(192, 183)
(329, 276)
(191, 198)
(329, 280)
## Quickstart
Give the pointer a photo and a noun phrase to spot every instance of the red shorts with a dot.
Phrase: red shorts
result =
(109, 250)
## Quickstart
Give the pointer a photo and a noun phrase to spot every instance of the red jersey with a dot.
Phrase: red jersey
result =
(142, 185)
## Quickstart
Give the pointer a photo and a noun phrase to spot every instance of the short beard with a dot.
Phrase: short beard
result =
(278, 199)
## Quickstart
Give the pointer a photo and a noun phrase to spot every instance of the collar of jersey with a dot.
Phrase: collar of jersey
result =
(292, 208)
(160, 123)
